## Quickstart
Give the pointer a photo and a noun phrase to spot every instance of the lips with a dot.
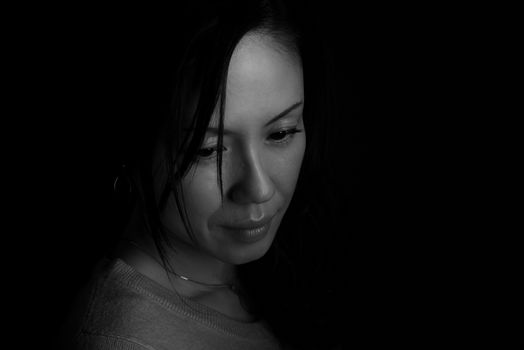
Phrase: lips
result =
(249, 231)
(249, 224)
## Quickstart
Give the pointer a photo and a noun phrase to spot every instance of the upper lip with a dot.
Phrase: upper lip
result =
(249, 224)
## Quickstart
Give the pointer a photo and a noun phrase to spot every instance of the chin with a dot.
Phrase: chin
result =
(244, 254)
(247, 258)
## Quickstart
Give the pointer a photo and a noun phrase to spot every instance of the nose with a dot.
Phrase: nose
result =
(253, 182)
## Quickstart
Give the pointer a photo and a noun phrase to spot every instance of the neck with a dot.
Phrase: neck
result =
(140, 250)
(189, 262)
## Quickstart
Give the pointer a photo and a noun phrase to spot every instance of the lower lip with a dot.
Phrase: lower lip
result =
(251, 235)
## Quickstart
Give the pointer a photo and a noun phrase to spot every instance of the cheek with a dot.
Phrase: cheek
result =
(288, 166)
(201, 198)
(201, 194)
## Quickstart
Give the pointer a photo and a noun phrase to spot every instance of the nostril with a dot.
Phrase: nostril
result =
(253, 186)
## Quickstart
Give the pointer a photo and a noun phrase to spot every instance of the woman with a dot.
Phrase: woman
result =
(200, 264)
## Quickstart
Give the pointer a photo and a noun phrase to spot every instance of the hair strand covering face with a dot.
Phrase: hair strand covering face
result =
(201, 44)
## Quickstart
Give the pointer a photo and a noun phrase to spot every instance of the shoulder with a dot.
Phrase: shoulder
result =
(85, 341)
(117, 310)
(121, 309)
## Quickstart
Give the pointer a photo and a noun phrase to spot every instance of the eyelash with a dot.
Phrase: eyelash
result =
(287, 137)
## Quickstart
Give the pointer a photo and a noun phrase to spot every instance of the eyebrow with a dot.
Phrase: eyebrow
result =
(284, 113)
(271, 121)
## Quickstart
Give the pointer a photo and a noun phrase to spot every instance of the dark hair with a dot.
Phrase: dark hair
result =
(201, 42)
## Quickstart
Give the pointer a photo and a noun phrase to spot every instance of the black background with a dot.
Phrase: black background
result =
(403, 79)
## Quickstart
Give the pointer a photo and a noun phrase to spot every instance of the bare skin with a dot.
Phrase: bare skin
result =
(220, 299)
(264, 146)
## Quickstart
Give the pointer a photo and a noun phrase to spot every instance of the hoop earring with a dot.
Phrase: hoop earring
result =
(124, 173)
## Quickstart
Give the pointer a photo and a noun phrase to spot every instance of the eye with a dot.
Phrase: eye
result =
(284, 135)
(208, 152)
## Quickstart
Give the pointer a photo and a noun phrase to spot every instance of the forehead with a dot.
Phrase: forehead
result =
(263, 80)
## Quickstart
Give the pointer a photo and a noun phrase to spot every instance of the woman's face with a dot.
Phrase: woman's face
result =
(264, 141)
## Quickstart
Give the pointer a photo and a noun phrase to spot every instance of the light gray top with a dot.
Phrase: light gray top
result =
(123, 309)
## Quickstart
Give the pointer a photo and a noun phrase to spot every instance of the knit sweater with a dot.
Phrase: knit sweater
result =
(123, 309)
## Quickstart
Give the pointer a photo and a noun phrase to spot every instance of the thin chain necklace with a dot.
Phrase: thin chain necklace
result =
(232, 287)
